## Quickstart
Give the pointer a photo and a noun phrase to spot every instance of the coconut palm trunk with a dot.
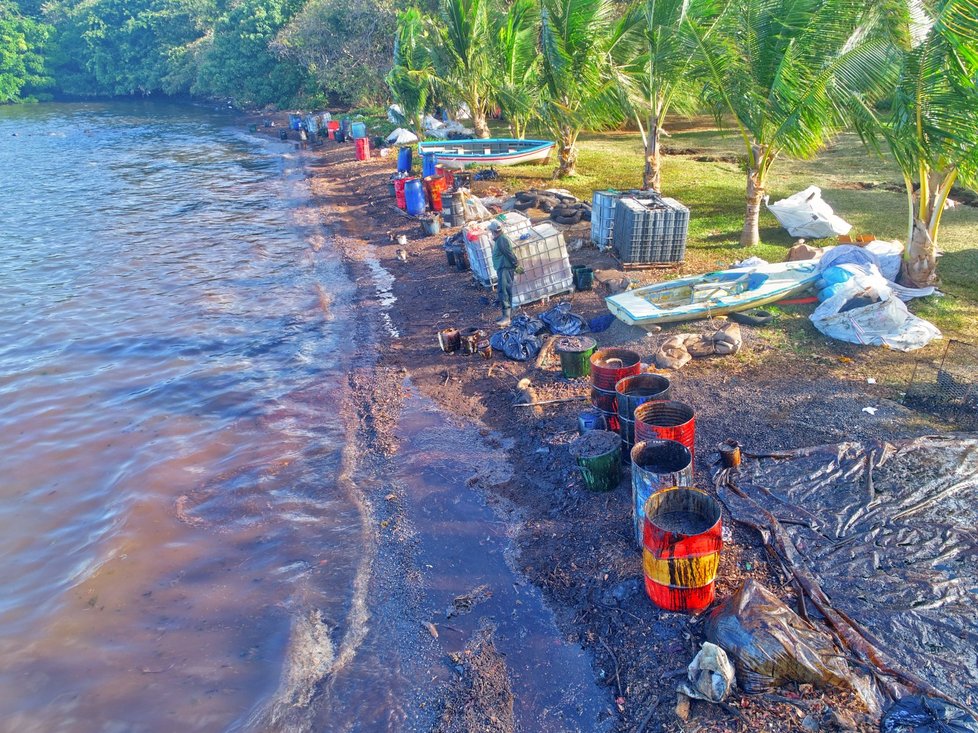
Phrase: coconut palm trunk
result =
(567, 156)
(652, 176)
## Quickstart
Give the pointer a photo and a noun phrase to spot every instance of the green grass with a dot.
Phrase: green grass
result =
(713, 190)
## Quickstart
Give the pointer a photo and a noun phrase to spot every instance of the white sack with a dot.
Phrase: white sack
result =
(884, 323)
(805, 214)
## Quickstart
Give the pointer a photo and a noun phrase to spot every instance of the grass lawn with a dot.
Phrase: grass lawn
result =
(702, 169)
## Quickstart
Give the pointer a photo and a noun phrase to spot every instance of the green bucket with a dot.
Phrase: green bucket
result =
(598, 455)
(575, 355)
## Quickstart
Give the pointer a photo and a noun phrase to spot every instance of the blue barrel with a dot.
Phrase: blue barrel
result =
(428, 161)
(359, 130)
(414, 196)
(294, 122)
(404, 160)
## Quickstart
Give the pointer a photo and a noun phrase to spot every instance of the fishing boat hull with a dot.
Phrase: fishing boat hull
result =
(493, 152)
(712, 294)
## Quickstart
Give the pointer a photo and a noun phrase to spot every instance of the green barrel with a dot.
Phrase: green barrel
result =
(575, 355)
(598, 455)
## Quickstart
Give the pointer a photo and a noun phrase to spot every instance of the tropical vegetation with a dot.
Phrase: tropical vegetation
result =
(785, 76)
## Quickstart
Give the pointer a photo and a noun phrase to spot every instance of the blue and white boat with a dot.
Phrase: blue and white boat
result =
(712, 294)
(491, 152)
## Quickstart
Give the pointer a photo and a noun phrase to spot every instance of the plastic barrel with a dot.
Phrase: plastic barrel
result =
(363, 148)
(404, 160)
(667, 420)
(575, 356)
(340, 135)
(294, 122)
(608, 367)
(635, 391)
(414, 197)
(680, 565)
(657, 464)
(601, 472)
(428, 161)
(399, 197)
(358, 130)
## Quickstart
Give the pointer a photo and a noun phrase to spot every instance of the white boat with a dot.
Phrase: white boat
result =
(712, 294)
(491, 152)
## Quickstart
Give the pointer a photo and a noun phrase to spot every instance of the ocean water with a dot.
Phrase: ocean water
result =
(172, 504)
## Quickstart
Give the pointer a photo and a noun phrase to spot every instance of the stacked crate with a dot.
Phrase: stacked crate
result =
(603, 217)
(542, 254)
(650, 228)
(478, 244)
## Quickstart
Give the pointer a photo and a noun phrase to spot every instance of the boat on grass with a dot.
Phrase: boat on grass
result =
(712, 294)
(491, 152)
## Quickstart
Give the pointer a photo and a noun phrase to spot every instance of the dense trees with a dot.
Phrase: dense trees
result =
(22, 62)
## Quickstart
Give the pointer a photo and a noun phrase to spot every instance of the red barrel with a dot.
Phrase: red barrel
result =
(333, 125)
(681, 543)
(667, 420)
(363, 148)
(631, 392)
(608, 367)
(445, 173)
(399, 192)
(434, 186)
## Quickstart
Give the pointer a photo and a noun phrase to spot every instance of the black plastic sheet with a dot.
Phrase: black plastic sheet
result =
(921, 714)
(890, 531)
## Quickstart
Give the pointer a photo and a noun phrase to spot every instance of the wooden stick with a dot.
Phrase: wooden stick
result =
(551, 402)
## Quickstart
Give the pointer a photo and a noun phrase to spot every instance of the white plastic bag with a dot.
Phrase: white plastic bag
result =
(886, 322)
(805, 214)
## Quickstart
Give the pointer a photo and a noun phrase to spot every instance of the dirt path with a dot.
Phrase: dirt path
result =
(578, 547)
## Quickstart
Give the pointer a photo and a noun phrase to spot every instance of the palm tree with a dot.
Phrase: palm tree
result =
(517, 66)
(662, 71)
(930, 123)
(579, 76)
(780, 68)
(463, 59)
(412, 75)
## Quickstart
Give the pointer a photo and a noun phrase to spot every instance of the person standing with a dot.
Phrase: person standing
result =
(506, 265)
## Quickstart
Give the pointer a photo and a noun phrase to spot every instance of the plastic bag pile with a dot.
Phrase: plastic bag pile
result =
(861, 304)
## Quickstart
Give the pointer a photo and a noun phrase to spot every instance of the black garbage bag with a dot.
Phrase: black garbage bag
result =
(771, 644)
(560, 320)
(519, 341)
(921, 714)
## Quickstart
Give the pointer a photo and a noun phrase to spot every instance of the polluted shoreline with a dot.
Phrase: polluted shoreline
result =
(576, 546)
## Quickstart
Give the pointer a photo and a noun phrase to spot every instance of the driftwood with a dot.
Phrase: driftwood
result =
(545, 350)
(779, 544)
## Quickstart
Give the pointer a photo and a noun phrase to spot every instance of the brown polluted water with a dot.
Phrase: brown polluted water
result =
(185, 544)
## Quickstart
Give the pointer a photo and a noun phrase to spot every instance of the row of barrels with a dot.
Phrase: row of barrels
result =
(677, 526)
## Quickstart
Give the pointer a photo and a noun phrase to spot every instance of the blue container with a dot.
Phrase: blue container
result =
(359, 130)
(428, 161)
(404, 160)
(294, 122)
(414, 196)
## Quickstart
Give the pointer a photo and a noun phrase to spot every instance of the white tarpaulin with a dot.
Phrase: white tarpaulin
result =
(400, 136)
(805, 214)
